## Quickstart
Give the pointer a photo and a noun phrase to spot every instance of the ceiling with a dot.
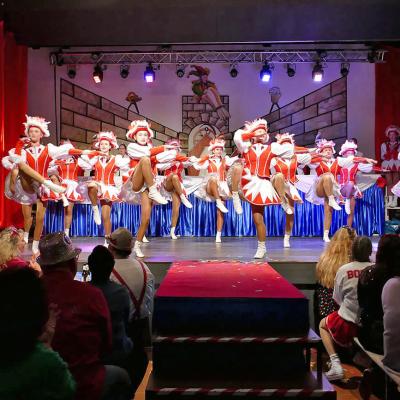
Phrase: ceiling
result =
(65, 23)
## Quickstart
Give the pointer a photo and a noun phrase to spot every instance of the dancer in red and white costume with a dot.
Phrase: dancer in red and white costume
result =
(325, 189)
(255, 182)
(348, 174)
(215, 185)
(66, 170)
(285, 166)
(173, 182)
(390, 151)
(34, 188)
(143, 172)
(396, 188)
(103, 188)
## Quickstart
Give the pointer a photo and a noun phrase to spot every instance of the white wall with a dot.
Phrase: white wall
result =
(249, 97)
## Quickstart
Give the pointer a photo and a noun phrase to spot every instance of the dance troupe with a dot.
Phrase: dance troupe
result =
(262, 174)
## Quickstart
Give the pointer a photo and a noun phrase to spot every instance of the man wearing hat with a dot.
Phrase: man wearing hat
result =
(83, 332)
(137, 278)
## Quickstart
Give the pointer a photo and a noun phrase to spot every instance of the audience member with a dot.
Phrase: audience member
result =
(391, 325)
(340, 327)
(337, 253)
(370, 286)
(137, 278)
(12, 245)
(83, 332)
(29, 369)
(101, 263)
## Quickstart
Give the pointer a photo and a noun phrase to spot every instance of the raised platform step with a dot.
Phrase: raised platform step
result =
(228, 297)
(236, 355)
(302, 386)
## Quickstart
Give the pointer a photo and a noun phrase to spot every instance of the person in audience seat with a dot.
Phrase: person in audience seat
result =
(340, 327)
(29, 368)
(336, 254)
(370, 286)
(12, 245)
(83, 333)
(391, 325)
(139, 281)
(101, 263)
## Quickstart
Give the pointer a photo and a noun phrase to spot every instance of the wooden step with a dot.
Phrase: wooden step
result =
(304, 385)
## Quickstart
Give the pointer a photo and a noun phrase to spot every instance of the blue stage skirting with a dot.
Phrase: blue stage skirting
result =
(201, 219)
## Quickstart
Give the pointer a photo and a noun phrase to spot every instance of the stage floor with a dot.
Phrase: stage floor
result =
(296, 264)
(165, 250)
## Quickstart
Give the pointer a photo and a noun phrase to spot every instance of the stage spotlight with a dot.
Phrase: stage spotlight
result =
(317, 72)
(291, 70)
(124, 71)
(180, 70)
(98, 73)
(149, 74)
(71, 71)
(266, 72)
(344, 69)
(233, 71)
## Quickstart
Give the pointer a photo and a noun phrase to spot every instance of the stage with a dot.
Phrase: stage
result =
(297, 263)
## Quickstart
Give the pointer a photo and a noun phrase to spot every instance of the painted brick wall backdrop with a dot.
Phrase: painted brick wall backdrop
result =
(248, 97)
(83, 114)
(323, 110)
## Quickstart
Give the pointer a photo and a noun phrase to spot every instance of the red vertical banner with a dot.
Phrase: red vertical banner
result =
(387, 95)
(13, 107)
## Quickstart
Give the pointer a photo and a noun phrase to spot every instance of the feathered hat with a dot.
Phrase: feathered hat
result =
(392, 128)
(284, 138)
(323, 144)
(37, 122)
(137, 126)
(252, 126)
(215, 143)
(109, 136)
(346, 146)
(174, 142)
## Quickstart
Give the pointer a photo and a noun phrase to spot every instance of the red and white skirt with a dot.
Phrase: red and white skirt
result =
(223, 189)
(258, 191)
(343, 332)
(20, 196)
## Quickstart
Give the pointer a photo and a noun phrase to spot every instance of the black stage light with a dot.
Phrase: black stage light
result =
(291, 70)
(124, 71)
(149, 74)
(344, 69)
(317, 72)
(266, 72)
(71, 71)
(233, 71)
(97, 73)
(180, 71)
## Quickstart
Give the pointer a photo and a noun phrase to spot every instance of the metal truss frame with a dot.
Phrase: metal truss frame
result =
(225, 57)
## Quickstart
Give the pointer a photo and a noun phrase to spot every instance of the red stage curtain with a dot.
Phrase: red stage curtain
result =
(13, 107)
(387, 95)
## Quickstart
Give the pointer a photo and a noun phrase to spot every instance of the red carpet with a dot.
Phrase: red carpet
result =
(228, 298)
(225, 279)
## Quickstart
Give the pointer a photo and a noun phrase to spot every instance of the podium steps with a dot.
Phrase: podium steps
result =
(196, 355)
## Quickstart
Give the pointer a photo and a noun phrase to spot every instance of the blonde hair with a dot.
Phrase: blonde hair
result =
(9, 240)
(337, 253)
